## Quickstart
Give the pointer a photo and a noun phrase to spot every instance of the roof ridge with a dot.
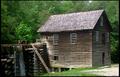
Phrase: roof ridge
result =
(77, 12)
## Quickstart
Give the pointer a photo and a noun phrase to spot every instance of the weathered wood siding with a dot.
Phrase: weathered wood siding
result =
(71, 55)
(98, 47)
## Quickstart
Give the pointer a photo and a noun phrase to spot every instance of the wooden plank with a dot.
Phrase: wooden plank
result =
(3, 59)
(29, 49)
(8, 45)
(32, 49)
(40, 58)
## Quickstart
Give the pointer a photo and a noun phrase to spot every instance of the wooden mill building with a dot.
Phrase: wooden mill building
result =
(77, 39)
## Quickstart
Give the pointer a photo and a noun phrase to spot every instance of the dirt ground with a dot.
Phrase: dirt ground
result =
(105, 71)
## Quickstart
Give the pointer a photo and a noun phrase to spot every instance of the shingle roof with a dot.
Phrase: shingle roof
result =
(71, 21)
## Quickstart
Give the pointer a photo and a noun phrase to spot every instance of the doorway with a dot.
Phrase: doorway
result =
(103, 58)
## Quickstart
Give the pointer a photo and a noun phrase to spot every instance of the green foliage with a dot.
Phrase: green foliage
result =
(23, 32)
(8, 22)
(20, 15)
(73, 72)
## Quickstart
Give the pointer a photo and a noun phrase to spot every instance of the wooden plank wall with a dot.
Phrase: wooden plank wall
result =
(76, 55)
(99, 48)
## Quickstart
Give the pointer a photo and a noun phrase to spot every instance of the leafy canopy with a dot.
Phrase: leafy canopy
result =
(23, 32)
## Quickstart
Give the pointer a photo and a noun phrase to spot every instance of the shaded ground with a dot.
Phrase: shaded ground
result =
(105, 71)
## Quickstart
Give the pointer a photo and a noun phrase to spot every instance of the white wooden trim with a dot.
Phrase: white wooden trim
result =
(73, 36)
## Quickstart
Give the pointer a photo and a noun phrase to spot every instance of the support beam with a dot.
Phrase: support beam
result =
(70, 68)
(53, 70)
(59, 69)
(40, 58)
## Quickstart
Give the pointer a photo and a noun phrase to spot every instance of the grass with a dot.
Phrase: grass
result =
(73, 72)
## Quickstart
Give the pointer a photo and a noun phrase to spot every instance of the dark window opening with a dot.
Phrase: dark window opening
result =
(103, 38)
(103, 56)
(55, 58)
(64, 69)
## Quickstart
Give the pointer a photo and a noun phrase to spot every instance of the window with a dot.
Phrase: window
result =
(44, 38)
(107, 37)
(101, 22)
(55, 39)
(103, 38)
(50, 38)
(73, 38)
(97, 35)
(55, 57)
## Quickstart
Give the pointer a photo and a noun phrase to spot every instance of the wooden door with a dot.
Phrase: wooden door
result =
(103, 58)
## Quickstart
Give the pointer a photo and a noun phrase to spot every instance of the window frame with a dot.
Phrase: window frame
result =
(101, 21)
(73, 36)
(55, 39)
(55, 57)
(96, 36)
(107, 36)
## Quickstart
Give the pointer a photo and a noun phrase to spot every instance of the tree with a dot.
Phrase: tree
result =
(24, 32)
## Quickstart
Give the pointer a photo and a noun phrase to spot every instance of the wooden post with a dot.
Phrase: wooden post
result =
(70, 68)
(14, 60)
(35, 64)
(59, 69)
(53, 70)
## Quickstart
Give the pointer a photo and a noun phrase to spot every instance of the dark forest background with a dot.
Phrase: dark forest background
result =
(20, 20)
